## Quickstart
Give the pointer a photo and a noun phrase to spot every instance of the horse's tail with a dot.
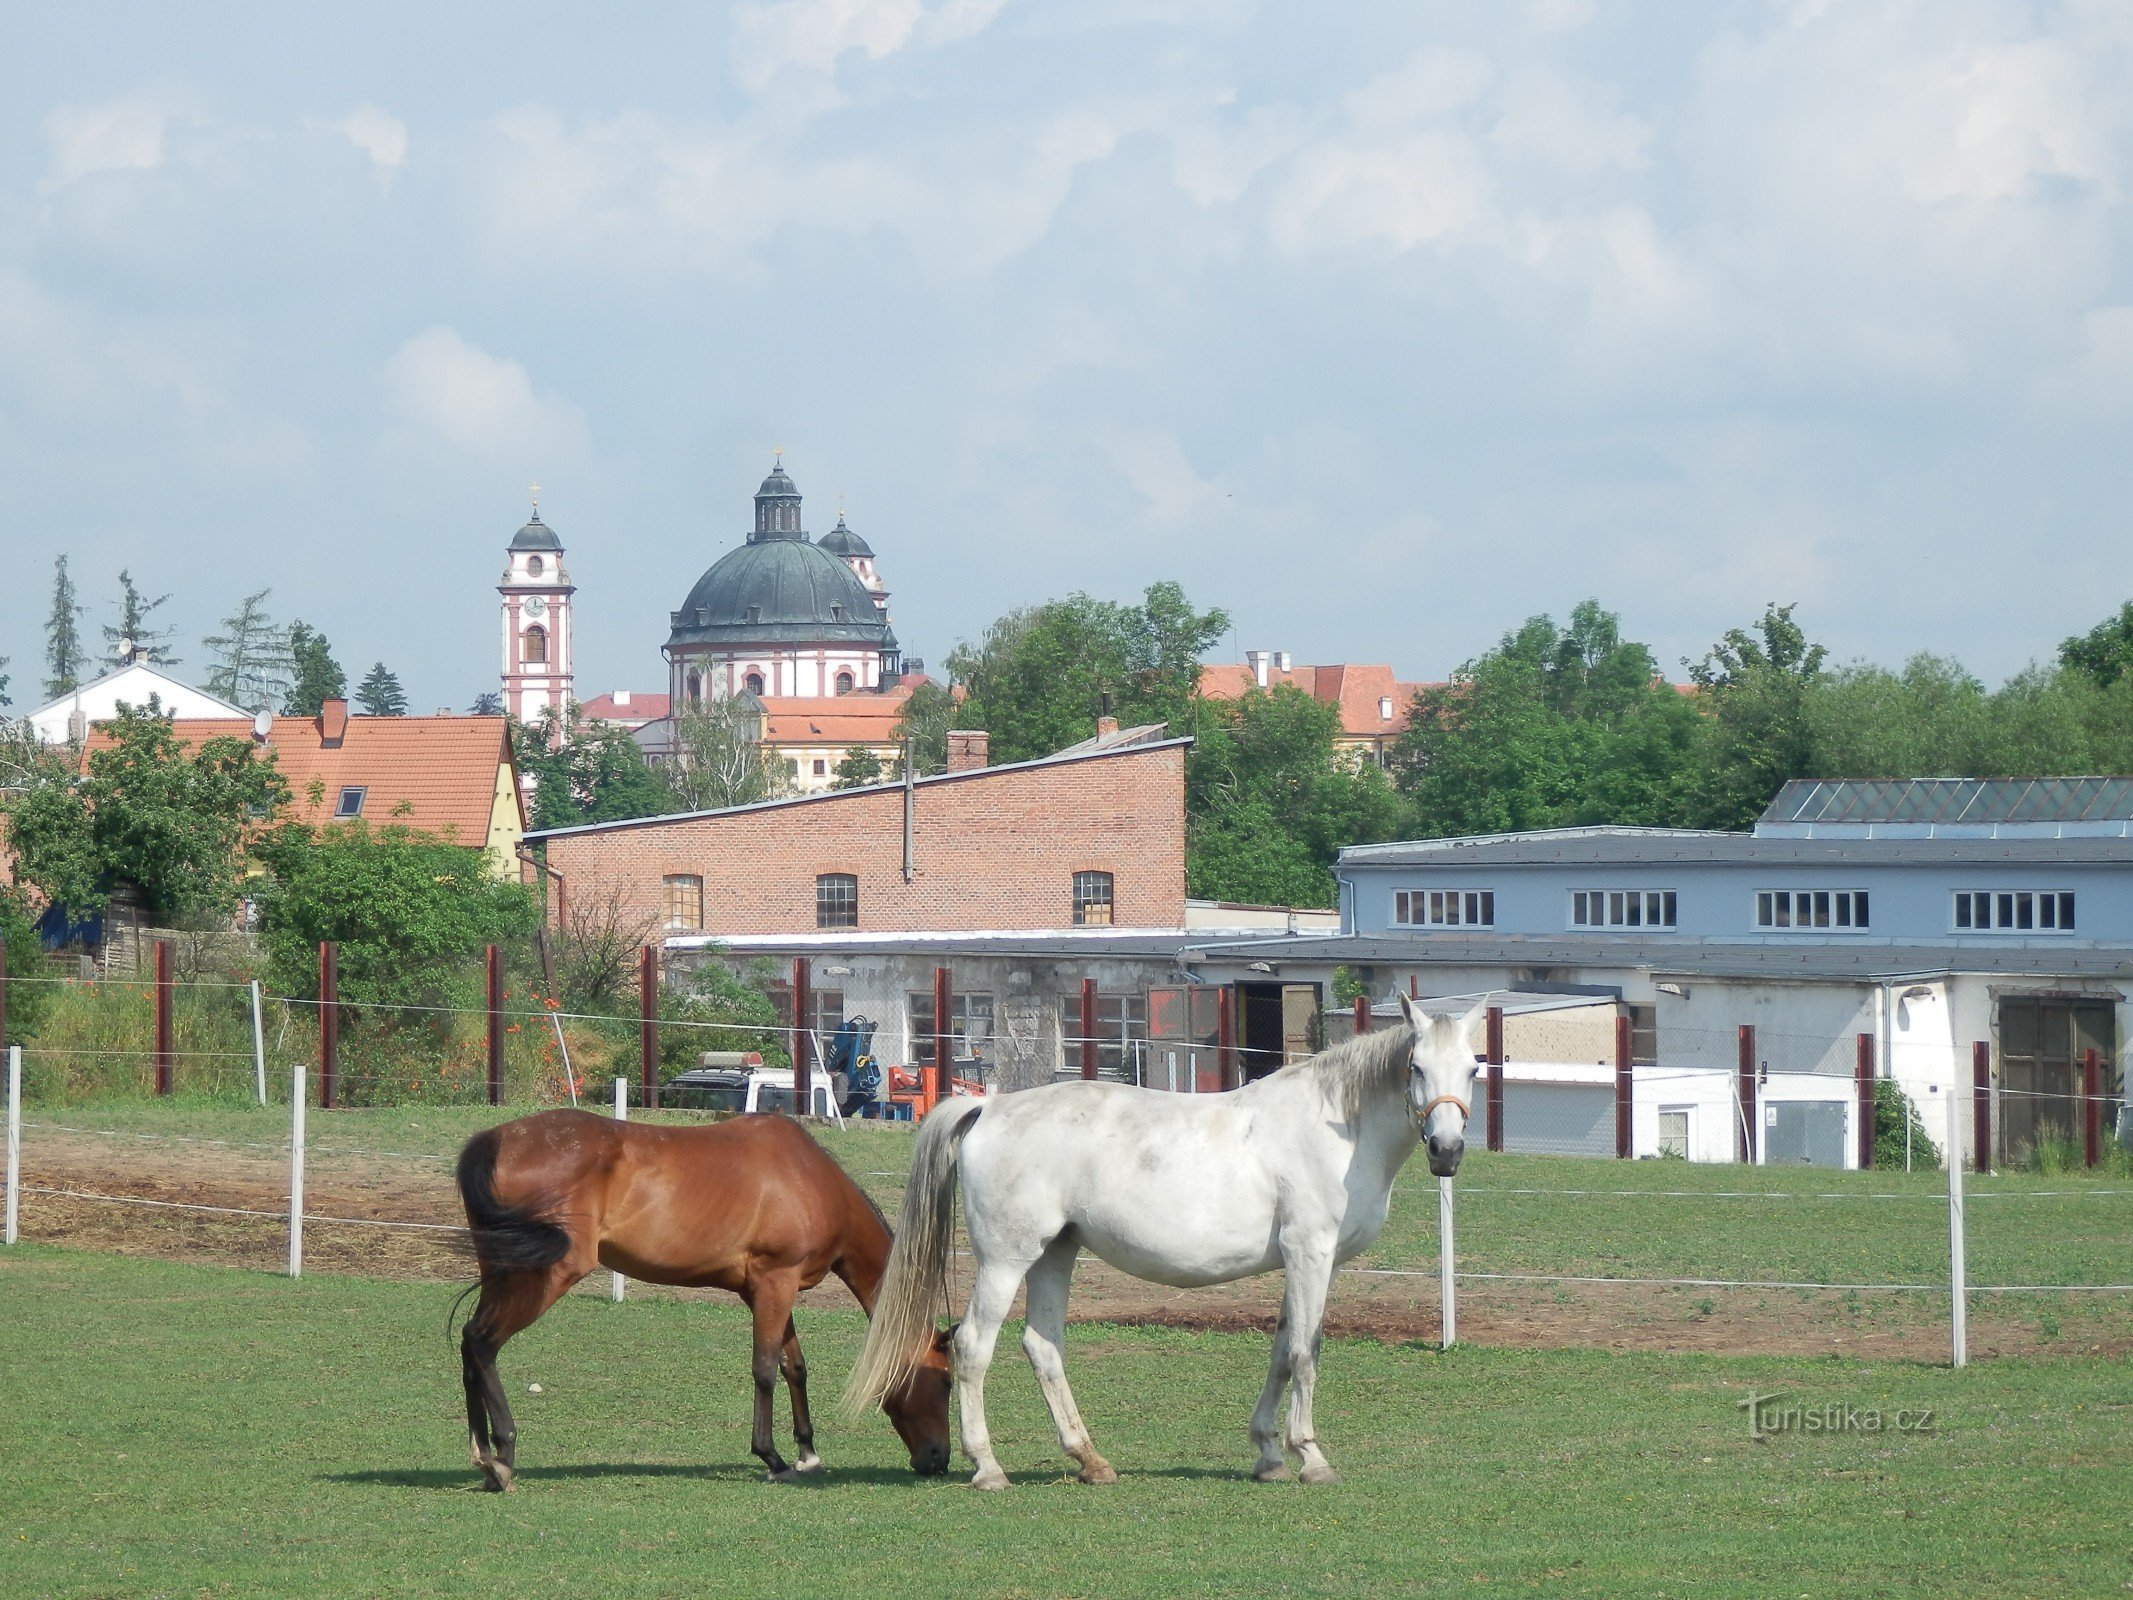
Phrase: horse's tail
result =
(520, 1238)
(917, 1278)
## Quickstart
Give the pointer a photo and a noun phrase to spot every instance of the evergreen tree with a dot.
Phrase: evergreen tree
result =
(62, 635)
(252, 661)
(133, 639)
(380, 694)
(858, 768)
(317, 677)
(487, 704)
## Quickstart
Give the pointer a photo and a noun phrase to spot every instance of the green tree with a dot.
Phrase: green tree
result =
(63, 653)
(1269, 800)
(315, 677)
(1039, 678)
(409, 914)
(487, 704)
(133, 639)
(858, 768)
(380, 694)
(585, 772)
(1756, 687)
(719, 760)
(27, 1003)
(927, 716)
(2105, 653)
(252, 663)
(149, 812)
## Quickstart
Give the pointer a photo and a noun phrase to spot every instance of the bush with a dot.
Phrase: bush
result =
(27, 1003)
(1892, 1109)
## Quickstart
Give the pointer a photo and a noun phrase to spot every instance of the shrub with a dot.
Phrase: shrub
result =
(1892, 1109)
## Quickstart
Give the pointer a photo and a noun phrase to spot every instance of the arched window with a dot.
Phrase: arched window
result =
(1092, 899)
(535, 566)
(536, 645)
(696, 688)
(754, 680)
(844, 683)
(837, 900)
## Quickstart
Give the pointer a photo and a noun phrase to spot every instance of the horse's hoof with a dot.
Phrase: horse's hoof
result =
(992, 1478)
(1272, 1472)
(1098, 1471)
(498, 1477)
(788, 1475)
(1320, 1473)
(808, 1465)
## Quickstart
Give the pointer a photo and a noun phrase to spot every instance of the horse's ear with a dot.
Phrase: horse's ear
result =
(1471, 1029)
(1415, 1017)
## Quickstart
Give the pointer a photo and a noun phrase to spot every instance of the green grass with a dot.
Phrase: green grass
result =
(175, 1429)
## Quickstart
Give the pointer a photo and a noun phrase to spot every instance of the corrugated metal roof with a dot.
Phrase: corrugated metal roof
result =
(1638, 847)
(1960, 802)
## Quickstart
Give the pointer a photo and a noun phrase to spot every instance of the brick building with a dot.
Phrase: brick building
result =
(1091, 837)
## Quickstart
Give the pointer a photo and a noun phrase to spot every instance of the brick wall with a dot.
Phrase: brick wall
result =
(993, 849)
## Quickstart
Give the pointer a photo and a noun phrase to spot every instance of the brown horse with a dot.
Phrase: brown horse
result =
(753, 1205)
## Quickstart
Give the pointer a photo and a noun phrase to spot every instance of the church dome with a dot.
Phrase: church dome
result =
(841, 541)
(778, 591)
(536, 535)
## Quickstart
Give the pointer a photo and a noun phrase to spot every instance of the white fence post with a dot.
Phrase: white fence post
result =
(259, 1046)
(1958, 1300)
(570, 1077)
(1447, 1293)
(616, 1281)
(296, 1169)
(14, 1140)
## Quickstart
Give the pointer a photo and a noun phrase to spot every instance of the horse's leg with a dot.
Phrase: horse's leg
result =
(990, 1299)
(1309, 1275)
(1044, 1342)
(1266, 1416)
(509, 1302)
(794, 1365)
(770, 1298)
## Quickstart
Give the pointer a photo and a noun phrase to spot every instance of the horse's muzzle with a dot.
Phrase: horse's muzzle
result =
(930, 1462)
(1444, 1156)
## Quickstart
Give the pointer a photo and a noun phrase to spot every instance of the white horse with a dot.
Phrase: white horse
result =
(1293, 1171)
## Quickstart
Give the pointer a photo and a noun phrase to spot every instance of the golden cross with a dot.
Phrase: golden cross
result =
(777, 455)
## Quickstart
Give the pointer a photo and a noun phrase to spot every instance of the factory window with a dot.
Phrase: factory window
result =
(1811, 910)
(2014, 911)
(1622, 908)
(1121, 1031)
(837, 900)
(685, 900)
(1092, 899)
(969, 1022)
(1444, 908)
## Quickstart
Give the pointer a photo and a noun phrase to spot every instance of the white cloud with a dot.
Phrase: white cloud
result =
(379, 135)
(1568, 124)
(812, 34)
(1420, 189)
(1156, 467)
(125, 135)
(2100, 377)
(453, 391)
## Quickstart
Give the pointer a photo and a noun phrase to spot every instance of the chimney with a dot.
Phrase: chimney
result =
(1257, 661)
(1106, 727)
(969, 749)
(1284, 663)
(333, 723)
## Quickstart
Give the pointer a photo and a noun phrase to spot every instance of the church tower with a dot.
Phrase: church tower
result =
(536, 622)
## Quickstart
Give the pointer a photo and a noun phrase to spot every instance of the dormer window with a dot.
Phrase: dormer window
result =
(1384, 708)
(350, 804)
(844, 683)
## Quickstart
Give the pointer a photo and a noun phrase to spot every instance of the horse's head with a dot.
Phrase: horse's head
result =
(1440, 1082)
(918, 1406)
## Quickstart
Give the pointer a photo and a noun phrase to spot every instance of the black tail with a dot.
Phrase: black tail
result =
(520, 1238)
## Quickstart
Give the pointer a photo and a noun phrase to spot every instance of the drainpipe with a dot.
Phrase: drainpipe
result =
(910, 797)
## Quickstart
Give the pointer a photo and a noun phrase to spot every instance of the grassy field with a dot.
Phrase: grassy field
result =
(1518, 1214)
(191, 1430)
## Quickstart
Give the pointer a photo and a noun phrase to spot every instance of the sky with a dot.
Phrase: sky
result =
(1381, 327)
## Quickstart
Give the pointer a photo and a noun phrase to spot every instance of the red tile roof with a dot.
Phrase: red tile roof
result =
(431, 773)
(864, 717)
(1358, 690)
(631, 707)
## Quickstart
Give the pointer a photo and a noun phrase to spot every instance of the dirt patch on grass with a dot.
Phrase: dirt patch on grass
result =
(198, 1194)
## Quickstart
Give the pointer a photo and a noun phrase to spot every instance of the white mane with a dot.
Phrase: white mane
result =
(1368, 1061)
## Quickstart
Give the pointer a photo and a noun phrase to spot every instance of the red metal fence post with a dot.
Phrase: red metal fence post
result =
(1495, 1061)
(1088, 1027)
(803, 1037)
(1362, 1015)
(1864, 1076)
(648, 1024)
(495, 973)
(2091, 1108)
(163, 999)
(1226, 1075)
(1980, 1107)
(1623, 1046)
(1745, 1131)
(329, 1022)
(943, 1035)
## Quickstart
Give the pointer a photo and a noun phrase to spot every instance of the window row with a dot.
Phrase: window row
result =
(1622, 908)
(1811, 908)
(1444, 908)
(837, 900)
(2015, 911)
(1121, 1026)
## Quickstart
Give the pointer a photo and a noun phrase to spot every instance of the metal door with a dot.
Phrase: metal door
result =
(1804, 1133)
(1299, 1021)
(1182, 1054)
(2042, 1041)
